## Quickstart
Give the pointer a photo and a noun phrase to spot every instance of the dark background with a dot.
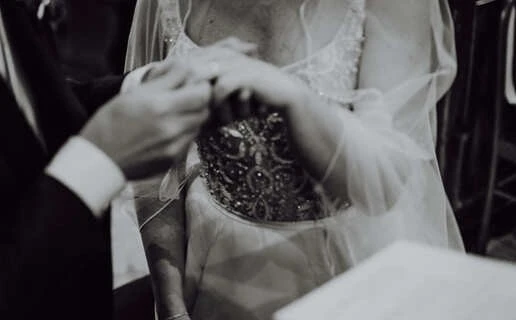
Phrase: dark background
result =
(93, 38)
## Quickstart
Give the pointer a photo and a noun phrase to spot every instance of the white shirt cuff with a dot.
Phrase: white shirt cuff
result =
(88, 172)
(135, 77)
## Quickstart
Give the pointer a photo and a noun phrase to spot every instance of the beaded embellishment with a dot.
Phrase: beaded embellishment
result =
(250, 169)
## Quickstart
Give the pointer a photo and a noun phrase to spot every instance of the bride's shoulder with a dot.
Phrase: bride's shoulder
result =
(406, 21)
(400, 40)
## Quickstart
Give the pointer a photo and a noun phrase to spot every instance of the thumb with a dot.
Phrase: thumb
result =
(166, 75)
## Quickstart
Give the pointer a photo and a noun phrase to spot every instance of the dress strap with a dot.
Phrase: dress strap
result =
(187, 14)
(308, 36)
(170, 16)
(355, 9)
(332, 71)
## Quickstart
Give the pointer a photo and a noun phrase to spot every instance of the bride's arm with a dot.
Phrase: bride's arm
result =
(164, 241)
(324, 131)
(408, 63)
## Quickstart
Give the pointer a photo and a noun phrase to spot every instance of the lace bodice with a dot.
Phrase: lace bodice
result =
(249, 166)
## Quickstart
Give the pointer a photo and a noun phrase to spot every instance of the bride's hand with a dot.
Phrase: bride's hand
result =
(268, 84)
(198, 61)
(315, 123)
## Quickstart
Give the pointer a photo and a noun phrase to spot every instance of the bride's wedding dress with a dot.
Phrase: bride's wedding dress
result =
(259, 232)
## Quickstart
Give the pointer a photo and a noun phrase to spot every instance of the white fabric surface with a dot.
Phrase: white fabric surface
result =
(413, 281)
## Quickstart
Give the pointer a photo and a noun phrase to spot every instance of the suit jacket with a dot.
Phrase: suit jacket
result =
(54, 255)
(89, 50)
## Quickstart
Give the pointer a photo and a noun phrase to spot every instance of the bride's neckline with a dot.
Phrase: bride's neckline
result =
(309, 57)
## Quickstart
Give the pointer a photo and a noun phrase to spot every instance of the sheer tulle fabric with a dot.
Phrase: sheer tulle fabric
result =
(393, 179)
(393, 176)
(147, 39)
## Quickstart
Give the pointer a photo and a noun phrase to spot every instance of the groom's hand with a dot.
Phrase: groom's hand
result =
(223, 49)
(147, 129)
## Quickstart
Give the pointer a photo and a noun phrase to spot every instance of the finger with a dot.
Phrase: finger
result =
(207, 71)
(241, 103)
(173, 75)
(190, 98)
(187, 122)
(266, 83)
(180, 67)
(213, 65)
(157, 70)
(258, 97)
(228, 84)
(233, 43)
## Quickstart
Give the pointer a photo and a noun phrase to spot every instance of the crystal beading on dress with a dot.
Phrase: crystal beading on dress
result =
(250, 170)
(249, 166)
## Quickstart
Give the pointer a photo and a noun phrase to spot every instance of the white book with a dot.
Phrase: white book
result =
(413, 282)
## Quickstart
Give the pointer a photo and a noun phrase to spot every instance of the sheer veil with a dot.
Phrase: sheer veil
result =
(393, 178)
(146, 39)
(394, 182)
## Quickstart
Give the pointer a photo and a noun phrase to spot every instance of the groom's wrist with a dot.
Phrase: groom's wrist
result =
(88, 172)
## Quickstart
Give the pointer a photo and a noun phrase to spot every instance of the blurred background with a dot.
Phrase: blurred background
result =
(92, 38)
(476, 118)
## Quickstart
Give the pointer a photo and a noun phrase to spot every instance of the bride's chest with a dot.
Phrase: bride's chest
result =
(281, 28)
(274, 28)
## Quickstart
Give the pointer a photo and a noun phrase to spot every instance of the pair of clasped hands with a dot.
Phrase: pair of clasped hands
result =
(152, 125)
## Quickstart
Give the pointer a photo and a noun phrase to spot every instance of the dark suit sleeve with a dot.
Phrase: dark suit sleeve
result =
(56, 257)
(93, 94)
